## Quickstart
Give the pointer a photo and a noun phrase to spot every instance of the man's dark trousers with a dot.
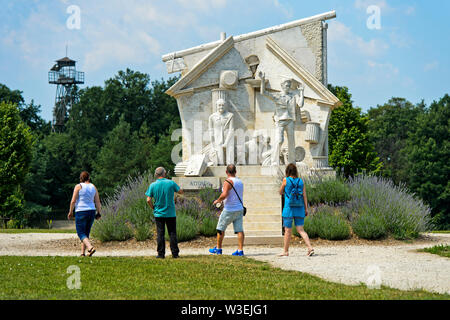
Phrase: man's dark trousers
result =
(160, 235)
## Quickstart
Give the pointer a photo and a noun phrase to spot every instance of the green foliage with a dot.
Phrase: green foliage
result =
(402, 214)
(441, 250)
(350, 150)
(427, 152)
(113, 228)
(320, 190)
(15, 158)
(187, 228)
(368, 226)
(327, 223)
(208, 227)
(389, 125)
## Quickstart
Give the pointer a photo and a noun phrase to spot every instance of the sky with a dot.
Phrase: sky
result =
(377, 48)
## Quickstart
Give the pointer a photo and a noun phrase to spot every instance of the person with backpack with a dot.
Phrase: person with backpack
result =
(295, 208)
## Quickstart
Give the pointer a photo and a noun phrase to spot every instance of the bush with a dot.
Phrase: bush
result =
(112, 228)
(321, 190)
(369, 227)
(187, 228)
(327, 223)
(126, 214)
(208, 227)
(208, 195)
(402, 214)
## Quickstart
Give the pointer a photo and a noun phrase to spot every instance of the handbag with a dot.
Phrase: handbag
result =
(296, 197)
(245, 209)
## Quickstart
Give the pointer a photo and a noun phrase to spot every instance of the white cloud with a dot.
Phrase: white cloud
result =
(340, 33)
(410, 10)
(364, 4)
(387, 69)
(431, 66)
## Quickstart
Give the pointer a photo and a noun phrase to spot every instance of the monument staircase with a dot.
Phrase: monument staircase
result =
(262, 223)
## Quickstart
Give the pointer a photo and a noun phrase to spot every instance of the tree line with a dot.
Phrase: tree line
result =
(124, 128)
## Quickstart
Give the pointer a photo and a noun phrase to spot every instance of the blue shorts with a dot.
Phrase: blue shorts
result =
(298, 221)
(227, 217)
(83, 223)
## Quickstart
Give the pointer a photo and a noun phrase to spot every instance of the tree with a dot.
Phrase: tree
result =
(349, 146)
(15, 158)
(388, 129)
(428, 152)
(122, 156)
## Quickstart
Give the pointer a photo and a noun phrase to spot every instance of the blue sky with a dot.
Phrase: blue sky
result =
(407, 57)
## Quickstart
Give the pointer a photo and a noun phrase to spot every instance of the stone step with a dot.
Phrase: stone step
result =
(263, 211)
(273, 187)
(262, 226)
(258, 204)
(258, 179)
(275, 239)
(263, 218)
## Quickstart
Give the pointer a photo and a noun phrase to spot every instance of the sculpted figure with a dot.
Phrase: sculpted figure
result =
(285, 103)
(221, 132)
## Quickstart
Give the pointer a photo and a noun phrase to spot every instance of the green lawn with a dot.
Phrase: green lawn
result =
(38, 231)
(442, 250)
(199, 277)
(442, 231)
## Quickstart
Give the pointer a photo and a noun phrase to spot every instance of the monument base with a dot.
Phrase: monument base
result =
(262, 223)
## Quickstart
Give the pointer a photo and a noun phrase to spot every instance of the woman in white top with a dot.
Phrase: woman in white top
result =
(85, 200)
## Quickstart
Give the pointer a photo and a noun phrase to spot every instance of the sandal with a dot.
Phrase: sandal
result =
(283, 255)
(82, 255)
(91, 252)
(310, 253)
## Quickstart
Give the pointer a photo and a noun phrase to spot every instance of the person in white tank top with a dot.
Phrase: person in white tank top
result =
(85, 200)
(232, 212)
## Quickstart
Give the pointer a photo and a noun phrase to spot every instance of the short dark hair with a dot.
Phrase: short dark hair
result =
(84, 176)
(291, 170)
(231, 169)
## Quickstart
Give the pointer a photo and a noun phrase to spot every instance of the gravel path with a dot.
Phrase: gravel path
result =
(396, 266)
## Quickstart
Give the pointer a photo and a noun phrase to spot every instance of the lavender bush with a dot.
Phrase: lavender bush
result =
(327, 222)
(125, 213)
(400, 212)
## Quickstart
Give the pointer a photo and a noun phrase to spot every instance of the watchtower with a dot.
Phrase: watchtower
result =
(66, 77)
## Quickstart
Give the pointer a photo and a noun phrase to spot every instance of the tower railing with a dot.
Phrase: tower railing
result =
(66, 76)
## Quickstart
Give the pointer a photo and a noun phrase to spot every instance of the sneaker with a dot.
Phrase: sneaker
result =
(215, 251)
(159, 257)
(238, 253)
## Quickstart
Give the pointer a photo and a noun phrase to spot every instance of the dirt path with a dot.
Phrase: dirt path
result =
(392, 264)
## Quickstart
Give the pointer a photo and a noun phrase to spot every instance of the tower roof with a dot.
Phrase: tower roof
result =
(65, 59)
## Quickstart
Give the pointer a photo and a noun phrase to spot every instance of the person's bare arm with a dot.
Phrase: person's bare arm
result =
(181, 191)
(75, 194)
(305, 200)
(224, 194)
(150, 202)
(98, 204)
(283, 185)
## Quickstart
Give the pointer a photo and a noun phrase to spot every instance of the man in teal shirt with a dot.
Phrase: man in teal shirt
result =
(162, 191)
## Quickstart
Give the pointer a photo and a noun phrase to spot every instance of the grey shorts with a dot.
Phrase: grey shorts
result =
(228, 217)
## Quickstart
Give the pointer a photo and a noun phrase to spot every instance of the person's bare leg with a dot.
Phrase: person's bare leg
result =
(83, 248)
(220, 237)
(305, 237)
(241, 238)
(287, 241)
(87, 243)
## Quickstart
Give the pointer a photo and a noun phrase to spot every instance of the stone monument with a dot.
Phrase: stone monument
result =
(238, 97)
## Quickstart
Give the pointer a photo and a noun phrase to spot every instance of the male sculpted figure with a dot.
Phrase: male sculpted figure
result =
(221, 131)
(285, 103)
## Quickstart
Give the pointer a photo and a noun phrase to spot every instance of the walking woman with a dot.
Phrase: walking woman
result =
(295, 208)
(85, 200)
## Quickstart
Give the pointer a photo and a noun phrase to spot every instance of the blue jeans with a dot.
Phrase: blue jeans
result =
(83, 223)
(298, 221)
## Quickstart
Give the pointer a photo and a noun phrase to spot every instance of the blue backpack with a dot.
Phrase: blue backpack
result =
(296, 196)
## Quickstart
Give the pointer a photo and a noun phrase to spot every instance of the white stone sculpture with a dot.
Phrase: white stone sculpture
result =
(221, 130)
(285, 115)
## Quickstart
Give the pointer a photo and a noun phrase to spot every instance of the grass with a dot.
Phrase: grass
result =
(199, 277)
(441, 250)
(442, 231)
(38, 231)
